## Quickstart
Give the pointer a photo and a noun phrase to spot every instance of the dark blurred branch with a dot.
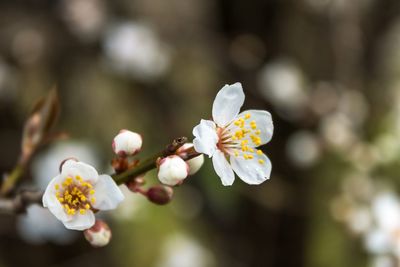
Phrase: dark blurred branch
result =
(20, 201)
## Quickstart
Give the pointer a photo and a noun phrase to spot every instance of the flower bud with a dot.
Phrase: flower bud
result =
(127, 143)
(172, 170)
(194, 163)
(160, 194)
(135, 184)
(99, 235)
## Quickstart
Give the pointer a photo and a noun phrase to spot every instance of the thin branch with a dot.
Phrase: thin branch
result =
(20, 201)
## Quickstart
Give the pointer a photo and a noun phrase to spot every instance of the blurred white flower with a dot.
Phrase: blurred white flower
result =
(85, 18)
(39, 226)
(282, 83)
(231, 139)
(78, 189)
(46, 165)
(303, 148)
(353, 104)
(338, 131)
(134, 49)
(182, 251)
(385, 236)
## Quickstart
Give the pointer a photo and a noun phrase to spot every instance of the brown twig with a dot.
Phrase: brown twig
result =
(20, 201)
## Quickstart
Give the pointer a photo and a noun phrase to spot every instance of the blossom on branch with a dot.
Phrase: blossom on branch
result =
(78, 191)
(232, 138)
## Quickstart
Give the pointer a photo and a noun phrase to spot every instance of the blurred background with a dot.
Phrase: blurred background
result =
(327, 70)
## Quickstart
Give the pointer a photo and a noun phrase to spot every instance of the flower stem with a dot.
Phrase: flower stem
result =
(11, 179)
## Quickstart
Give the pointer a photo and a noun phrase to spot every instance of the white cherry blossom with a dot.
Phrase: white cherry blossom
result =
(232, 138)
(77, 191)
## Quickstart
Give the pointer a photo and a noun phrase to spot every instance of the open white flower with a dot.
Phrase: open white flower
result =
(231, 138)
(78, 190)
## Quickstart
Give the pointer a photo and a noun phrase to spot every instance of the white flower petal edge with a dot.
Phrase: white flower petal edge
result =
(262, 120)
(77, 191)
(51, 202)
(250, 171)
(81, 222)
(107, 193)
(232, 138)
(206, 137)
(223, 169)
(227, 104)
(71, 168)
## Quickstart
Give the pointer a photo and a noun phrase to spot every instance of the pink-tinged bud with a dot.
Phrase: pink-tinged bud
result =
(135, 184)
(127, 143)
(194, 163)
(99, 235)
(172, 170)
(160, 194)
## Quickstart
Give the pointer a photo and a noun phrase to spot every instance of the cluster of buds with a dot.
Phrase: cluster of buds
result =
(173, 168)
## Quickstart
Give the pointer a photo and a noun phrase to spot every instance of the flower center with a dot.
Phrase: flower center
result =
(75, 195)
(241, 140)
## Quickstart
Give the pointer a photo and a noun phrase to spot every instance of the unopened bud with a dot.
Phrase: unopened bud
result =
(194, 163)
(99, 235)
(172, 170)
(135, 184)
(160, 194)
(127, 143)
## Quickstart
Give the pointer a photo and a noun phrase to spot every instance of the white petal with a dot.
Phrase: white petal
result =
(107, 193)
(264, 127)
(73, 168)
(251, 171)
(206, 137)
(195, 164)
(222, 168)
(51, 202)
(81, 221)
(227, 104)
